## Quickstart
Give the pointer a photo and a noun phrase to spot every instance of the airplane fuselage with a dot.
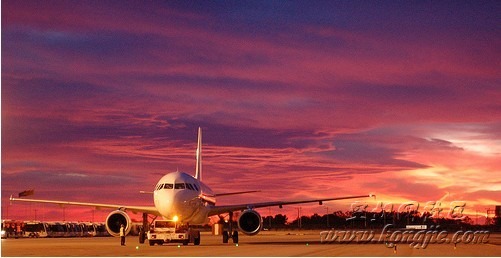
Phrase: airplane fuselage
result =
(180, 195)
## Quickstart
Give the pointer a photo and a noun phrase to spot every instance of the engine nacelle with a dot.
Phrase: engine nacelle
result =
(115, 219)
(250, 222)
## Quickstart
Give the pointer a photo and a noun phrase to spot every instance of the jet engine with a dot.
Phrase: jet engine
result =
(115, 219)
(250, 222)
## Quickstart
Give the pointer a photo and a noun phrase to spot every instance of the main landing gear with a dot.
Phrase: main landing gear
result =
(144, 228)
(227, 234)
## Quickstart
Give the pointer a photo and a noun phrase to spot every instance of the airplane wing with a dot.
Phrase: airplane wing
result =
(234, 193)
(216, 210)
(142, 209)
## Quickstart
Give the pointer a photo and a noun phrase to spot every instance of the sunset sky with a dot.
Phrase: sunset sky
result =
(298, 99)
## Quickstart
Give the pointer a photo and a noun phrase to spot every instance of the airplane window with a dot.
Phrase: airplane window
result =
(189, 186)
(168, 186)
(196, 187)
(179, 186)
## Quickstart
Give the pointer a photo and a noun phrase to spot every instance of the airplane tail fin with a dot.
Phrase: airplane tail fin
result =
(198, 170)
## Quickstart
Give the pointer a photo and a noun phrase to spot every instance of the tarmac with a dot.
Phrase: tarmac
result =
(278, 243)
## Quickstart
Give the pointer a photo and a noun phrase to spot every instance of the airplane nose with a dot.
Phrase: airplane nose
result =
(164, 203)
(171, 204)
(177, 202)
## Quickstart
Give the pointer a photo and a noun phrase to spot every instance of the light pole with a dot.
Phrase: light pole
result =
(327, 208)
(269, 211)
(300, 220)
(299, 217)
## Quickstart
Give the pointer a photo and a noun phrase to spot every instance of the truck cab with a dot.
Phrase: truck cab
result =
(170, 231)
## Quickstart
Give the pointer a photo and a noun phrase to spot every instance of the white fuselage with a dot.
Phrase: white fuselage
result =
(182, 195)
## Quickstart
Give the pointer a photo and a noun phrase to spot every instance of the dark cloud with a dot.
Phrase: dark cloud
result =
(66, 178)
(50, 91)
(401, 94)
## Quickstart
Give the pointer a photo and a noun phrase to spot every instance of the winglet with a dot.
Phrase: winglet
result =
(198, 170)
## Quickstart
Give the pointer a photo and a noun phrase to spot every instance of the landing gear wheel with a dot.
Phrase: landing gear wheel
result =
(225, 237)
(235, 237)
(196, 241)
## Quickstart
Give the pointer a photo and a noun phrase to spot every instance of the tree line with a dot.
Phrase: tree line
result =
(373, 220)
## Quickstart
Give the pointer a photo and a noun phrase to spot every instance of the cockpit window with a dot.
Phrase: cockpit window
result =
(189, 186)
(168, 186)
(196, 187)
(179, 186)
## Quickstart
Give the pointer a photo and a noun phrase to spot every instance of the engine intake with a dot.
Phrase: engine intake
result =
(250, 222)
(115, 219)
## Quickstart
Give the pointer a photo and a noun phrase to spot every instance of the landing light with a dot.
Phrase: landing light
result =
(175, 218)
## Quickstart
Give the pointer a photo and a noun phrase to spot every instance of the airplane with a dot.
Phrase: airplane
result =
(185, 198)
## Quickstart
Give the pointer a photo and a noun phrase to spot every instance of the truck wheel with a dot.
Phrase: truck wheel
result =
(225, 237)
(235, 237)
(152, 243)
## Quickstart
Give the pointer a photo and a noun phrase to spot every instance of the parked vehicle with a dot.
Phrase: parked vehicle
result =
(57, 229)
(12, 229)
(101, 230)
(89, 229)
(35, 229)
